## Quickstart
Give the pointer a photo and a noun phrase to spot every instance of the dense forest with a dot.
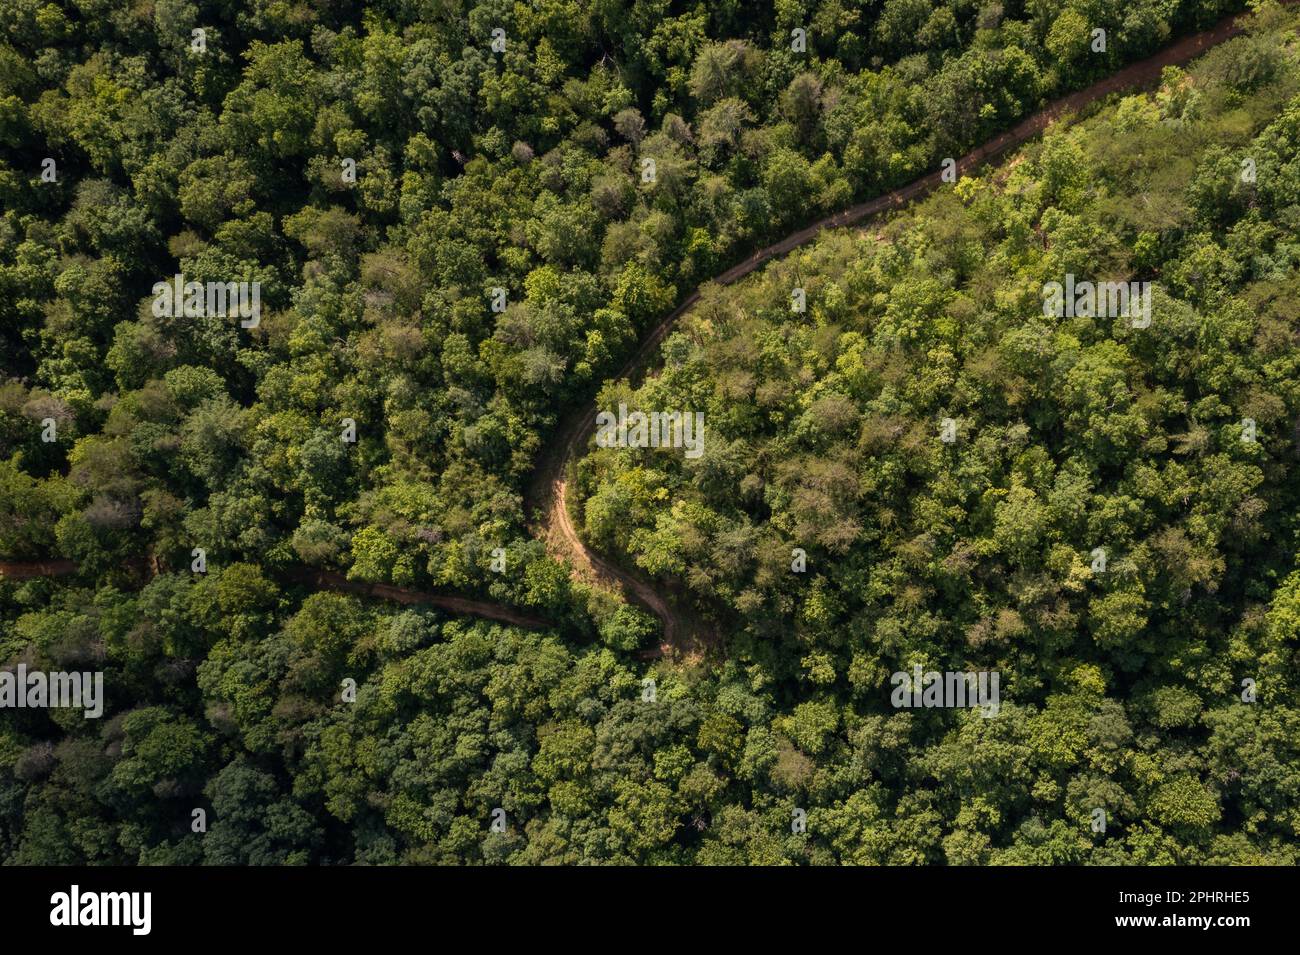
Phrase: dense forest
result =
(461, 219)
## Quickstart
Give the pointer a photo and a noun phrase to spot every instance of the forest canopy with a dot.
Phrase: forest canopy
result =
(435, 227)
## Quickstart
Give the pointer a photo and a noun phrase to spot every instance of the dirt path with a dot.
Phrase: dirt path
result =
(17, 570)
(547, 494)
(321, 580)
(465, 606)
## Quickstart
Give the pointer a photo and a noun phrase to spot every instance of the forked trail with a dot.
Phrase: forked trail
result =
(546, 498)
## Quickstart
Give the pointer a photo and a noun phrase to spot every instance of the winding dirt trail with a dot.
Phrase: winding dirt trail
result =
(546, 495)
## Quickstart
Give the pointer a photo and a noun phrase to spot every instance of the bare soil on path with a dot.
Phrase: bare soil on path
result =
(320, 580)
(547, 494)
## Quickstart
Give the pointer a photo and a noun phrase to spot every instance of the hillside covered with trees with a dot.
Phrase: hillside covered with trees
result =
(461, 220)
